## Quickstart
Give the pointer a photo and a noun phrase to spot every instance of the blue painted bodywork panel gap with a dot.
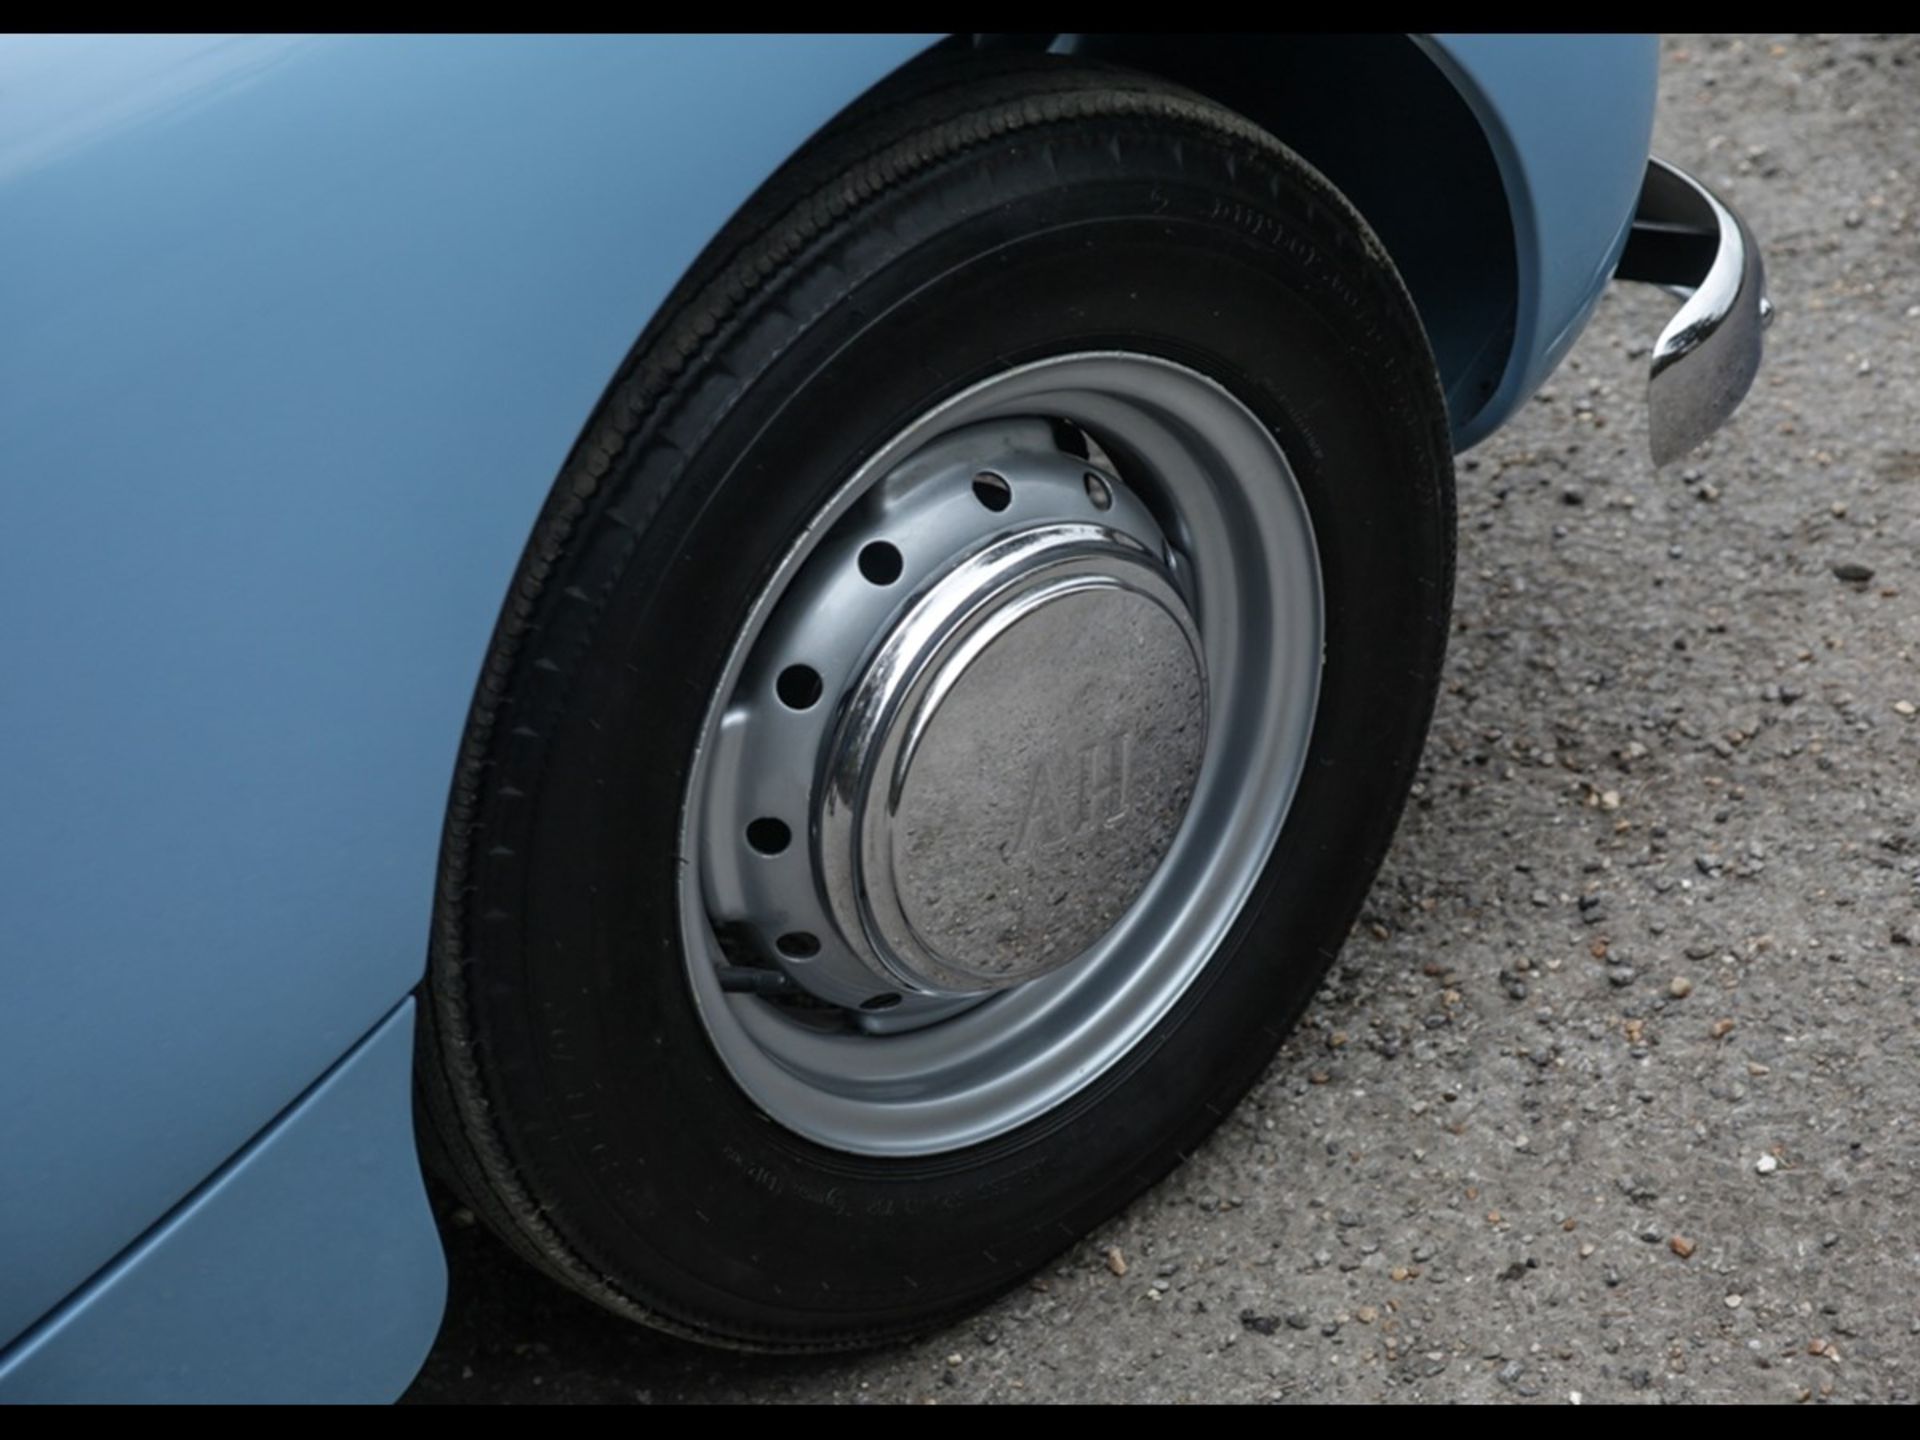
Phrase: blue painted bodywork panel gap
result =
(306, 1268)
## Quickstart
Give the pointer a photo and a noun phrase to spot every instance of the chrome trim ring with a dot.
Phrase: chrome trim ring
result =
(897, 944)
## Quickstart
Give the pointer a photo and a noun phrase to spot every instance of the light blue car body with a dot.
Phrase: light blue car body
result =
(294, 335)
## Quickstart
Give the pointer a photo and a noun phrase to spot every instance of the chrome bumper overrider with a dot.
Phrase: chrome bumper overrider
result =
(1686, 241)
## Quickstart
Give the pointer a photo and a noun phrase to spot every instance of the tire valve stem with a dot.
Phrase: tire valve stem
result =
(751, 980)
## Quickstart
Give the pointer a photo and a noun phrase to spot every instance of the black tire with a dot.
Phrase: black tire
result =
(991, 212)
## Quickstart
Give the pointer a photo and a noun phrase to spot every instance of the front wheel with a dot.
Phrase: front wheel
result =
(949, 714)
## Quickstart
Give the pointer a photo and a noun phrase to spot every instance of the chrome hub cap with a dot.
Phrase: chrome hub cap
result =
(1000, 753)
(1015, 760)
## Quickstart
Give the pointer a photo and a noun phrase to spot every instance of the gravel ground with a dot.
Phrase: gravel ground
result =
(1611, 1095)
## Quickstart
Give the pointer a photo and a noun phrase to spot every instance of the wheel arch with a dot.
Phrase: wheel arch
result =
(1380, 118)
(1501, 172)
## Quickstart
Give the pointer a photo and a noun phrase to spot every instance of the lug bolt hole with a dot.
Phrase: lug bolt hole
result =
(1098, 491)
(798, 945)
(798, 687)
(880, 1002)
(992, 490)
(881, 562)
(768, 835)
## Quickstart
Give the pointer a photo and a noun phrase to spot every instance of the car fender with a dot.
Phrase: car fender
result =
(298, 333)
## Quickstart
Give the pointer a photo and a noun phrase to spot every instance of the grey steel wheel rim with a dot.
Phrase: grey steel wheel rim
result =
(972, 576)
